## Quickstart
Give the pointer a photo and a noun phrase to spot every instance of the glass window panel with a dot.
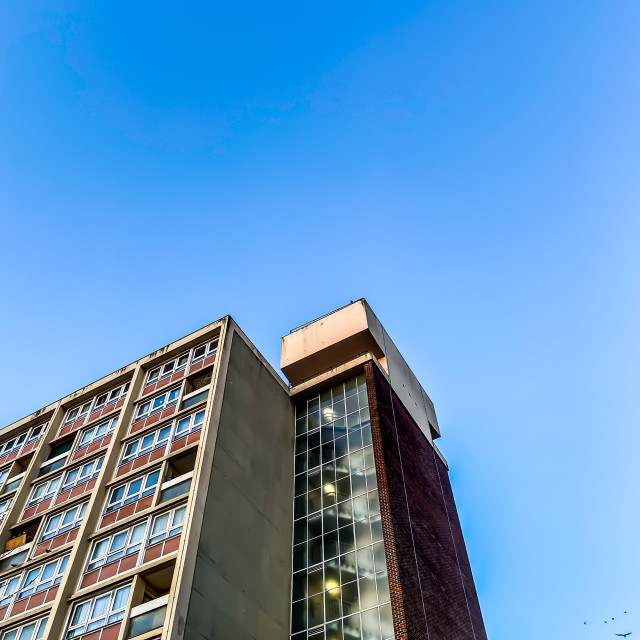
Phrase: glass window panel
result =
(345, 513)
(352, 404)
(365, 561)
(341, 446)
(331, 546)
(334, 630)
(299, 586)
(329, 519)
(347, 539)
(316, 581)
(386, 621)
(349, 598)
(374, 504)
(332, 573)
(301, 484)
(299, 557)
(369, 458)
(363, 533)
(313, 420)
(315, 479)
(315, 551)
(355, 440)
(376, 529)
(120, 600)
(360, 508)
(350, 387)
(370, 624)
(314, 458)
(371, 479)
(316, 610)
(332, 606)
(301, 444)
(314, 499)
(300, 507)
(353, 422)
(315, 526)
(160, 523)
(299, 531)
(301, 463)
(382, 580)
(299, 616)
(378, 552)
(358, 483)
(362, 399)
(301, 425)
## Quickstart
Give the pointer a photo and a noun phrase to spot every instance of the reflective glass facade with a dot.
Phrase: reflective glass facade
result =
(340, 589)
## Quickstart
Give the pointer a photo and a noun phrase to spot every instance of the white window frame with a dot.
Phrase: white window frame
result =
(95, 433)
(127, 497)
(8, 589)
(86, 472)
(17, 633)
(63, 524)
(151, 441)
(169, 398)
(167, 368)
(36, 579)
(133, 448)
(96, 403)
(109, 553)
(22, 439)
(51, 489)
(210, 348)
(4, 475)
(5, 505)
(171, 528)
(92, 621)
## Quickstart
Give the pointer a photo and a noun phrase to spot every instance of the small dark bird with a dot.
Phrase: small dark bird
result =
(624, 635)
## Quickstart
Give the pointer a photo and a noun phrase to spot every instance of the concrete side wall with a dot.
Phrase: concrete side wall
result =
(241, 585)
(436, 592)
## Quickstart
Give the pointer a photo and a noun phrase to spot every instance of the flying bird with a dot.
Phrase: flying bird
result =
(624, 635)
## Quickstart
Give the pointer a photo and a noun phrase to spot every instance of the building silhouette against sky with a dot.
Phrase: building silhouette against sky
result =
(194, 494)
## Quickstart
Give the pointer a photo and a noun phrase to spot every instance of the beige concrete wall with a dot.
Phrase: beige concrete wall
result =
(241, 581)
(344, 335)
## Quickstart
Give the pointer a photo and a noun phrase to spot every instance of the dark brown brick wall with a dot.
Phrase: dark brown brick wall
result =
(433, 594)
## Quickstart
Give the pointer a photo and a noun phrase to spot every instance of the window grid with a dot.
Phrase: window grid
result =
(136, 538)
(98, 402)
(91, 434)
(181, 362)
(340, 588)
(161, 437)
(131, 491)
(26, 437)
(156, 404)
(72, 478)
(98, 612)
(63, 522)
(29, 631)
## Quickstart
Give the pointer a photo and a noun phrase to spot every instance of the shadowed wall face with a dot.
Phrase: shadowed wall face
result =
(242, 576)
(434, 588)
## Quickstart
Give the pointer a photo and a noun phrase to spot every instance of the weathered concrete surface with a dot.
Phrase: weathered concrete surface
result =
(241, 586)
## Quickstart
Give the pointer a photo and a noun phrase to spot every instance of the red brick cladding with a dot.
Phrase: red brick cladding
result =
(431, 578)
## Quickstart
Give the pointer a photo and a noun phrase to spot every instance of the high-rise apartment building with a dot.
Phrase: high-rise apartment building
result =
(195, 495)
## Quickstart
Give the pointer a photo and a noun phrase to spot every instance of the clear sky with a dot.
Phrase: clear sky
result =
(471, 168)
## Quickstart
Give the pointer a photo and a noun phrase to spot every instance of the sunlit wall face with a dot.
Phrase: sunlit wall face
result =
(340, 589)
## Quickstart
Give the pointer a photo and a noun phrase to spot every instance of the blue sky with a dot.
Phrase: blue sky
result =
(470, 168)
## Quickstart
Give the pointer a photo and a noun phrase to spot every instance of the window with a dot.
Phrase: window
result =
(144, 445)
(109, 397)
(63, 521)
(95, 404)
(189, 424)
(43, 577)
(158, 403)
(77, 476)
(167, 525)
(35, 433)
(116, 546)
(52, 465)
(4, 507)
(204, 351)
(13, 483)
(96, 433)
(98, 612)
(77, 413)
(8, 589)
(28, 631)
(148, 616)
(195, 398)
(44, 490)
(133, 490)
(167, 369)
(176, 487)
(4, 474)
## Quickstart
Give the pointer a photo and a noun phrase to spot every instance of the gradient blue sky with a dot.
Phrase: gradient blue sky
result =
(469, 167)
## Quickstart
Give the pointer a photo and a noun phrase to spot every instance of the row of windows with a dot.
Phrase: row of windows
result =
(98, 612)
(32, 581)
(63, 482)
(133, 490)
(64, 521)
(97, 432)
(161, 437)
(156, 404)
(95, 404)
(178, 364)
(27, 437)
(135, 538)
(27, 631)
